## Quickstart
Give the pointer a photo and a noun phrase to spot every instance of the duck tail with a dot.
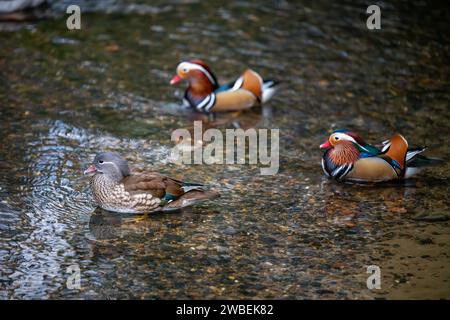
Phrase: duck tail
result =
(187, 186)
(269, 87)
(413, 152)
(420, 161)
(416, 162)
(192, 197)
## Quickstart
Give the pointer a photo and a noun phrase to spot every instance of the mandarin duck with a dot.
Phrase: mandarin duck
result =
(205, 95)
(116, 189)
(350, 158)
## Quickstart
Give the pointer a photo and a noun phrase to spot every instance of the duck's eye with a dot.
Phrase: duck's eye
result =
(100, 161)
(185, 70)
(336, 138)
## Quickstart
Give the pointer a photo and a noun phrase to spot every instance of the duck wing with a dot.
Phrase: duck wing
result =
(158, 185)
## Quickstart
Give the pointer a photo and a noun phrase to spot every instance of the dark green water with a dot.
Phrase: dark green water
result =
(65, 95)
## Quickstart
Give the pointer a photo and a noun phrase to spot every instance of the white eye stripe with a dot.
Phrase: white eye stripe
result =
(116, 166)
(343, 136)
(104, 162)
(346, 137)
(192, 66)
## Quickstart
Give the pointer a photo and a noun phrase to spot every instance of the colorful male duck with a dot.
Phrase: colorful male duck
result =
(348, 157)
(205, 95)
(115, 189)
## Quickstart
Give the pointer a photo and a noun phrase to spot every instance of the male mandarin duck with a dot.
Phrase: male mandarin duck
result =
(205, 95)
(116, 189)
(348, 157)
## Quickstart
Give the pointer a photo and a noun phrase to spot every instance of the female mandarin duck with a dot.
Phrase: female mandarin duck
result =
(115, 189)
(205, 95)
(348, 157)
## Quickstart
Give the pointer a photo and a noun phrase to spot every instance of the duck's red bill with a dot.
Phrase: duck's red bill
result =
(91, 169)
(325, 145)
(175, 79)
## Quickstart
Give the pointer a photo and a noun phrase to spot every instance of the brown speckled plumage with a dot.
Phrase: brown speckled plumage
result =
(113, 196)
(115, 189)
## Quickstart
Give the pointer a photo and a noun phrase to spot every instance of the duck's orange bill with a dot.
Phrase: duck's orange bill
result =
(175, 79)
(91, 169)
(325, 145)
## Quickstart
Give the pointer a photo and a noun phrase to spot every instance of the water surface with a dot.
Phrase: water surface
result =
(66, 95)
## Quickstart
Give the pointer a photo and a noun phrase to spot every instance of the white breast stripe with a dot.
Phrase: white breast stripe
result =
(211, 103)
(323, 168)
(194, 66)
(346, 171)
(203, 103)
(207, 103)
(337, 170)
